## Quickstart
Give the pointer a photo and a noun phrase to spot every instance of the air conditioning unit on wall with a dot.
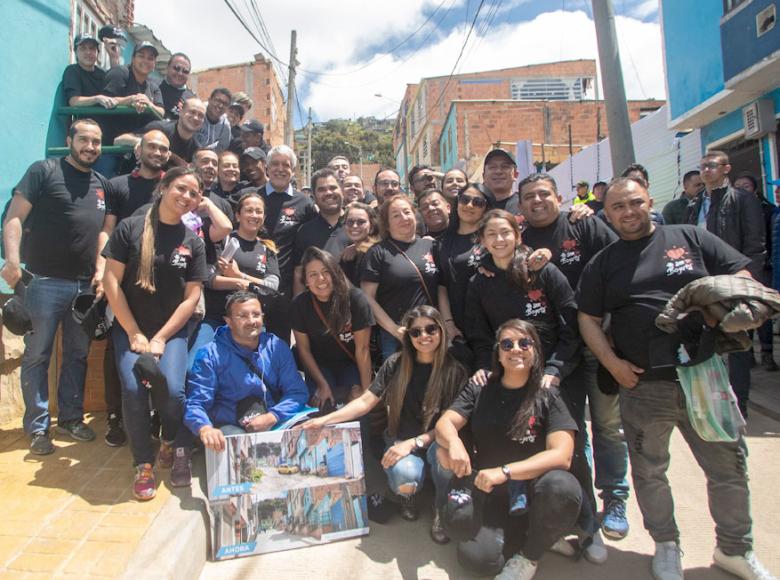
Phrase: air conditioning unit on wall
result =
(759, 118)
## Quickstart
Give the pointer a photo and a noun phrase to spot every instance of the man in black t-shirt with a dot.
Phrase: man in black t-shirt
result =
(632, 279)
(181, 133)
(326, 230)
(83, 81)
(573, 245)
(131, 85)
(498, 177)
(59, 205)
(173, 87)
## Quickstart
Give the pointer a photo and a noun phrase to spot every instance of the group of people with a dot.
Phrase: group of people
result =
(464, 325)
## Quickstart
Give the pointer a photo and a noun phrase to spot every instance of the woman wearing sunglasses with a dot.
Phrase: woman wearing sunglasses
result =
(362, 228)
(414, 385)
(460, 254)
(507, 289)
(522, 435)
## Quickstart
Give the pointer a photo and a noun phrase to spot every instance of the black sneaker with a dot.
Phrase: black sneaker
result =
(181, 472)
(768, 362)
(408, 509)
(76, 429)
(41, 444)
(115, 432)
(379, 509)
(438, 534)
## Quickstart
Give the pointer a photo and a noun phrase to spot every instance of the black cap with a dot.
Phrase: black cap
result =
(254, 152)
(82, 38)
(111, 31)
(147, 371)
(500, 153)
(16, 318)
(146, 44)
(90, 314)
(253, 126)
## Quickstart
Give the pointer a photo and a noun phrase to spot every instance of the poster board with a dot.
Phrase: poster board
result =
(286, 489)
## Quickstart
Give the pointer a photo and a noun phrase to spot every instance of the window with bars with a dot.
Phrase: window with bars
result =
(85, 21)
(549, 88)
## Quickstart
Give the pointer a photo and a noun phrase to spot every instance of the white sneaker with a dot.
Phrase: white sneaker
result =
(596, 552)
(667, 562)
(747, 566)
(564, 548)
(518, 567)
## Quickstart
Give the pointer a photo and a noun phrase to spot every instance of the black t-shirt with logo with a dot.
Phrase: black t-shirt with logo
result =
(548, 304)
(459, 258)
(121, 82)
(183, 148)
(284, 215)
(491, 410)
(411, 420)
(634, 279)
(319, 233)
(253, 258)
(173, 99)
(400, 288)
(323, 346)
(572, 244)
(179, 258)
(128, 193)
(79, 82)
(60, 233)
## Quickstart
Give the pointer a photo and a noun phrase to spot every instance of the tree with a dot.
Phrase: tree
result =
(345, 137)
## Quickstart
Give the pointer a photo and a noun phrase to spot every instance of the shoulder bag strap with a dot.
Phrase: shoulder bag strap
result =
(416, 269)
(321, 316)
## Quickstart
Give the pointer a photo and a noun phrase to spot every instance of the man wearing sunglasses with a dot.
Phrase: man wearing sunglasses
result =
(422, 177)
(174, 86)
(215, 133)
(736, 217)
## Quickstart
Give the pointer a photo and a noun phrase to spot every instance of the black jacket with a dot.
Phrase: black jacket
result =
(736, 217)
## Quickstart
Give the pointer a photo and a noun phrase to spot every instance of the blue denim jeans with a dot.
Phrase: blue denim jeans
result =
(388, 344)
(609, 453)
(48, 300)
(410, 470)
(650, 412)
(204, 334)
(340, 378)
(135, 397)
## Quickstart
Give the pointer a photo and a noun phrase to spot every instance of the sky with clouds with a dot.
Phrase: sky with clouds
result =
(352, 50)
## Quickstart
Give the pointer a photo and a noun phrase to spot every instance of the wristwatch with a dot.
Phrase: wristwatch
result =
(419, 443)
(506, 472)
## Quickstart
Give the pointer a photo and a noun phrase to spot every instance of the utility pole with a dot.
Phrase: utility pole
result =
(308, 150)
(621, 145)
(289, 128)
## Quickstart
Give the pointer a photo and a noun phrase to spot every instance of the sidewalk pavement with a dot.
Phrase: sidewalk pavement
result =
(71, 514)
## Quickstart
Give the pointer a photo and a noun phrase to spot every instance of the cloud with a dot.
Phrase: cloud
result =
(341, 36)
(644, 9)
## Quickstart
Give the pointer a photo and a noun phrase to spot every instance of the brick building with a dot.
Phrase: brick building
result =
(474, 127)
(428, 106)
(258, 80)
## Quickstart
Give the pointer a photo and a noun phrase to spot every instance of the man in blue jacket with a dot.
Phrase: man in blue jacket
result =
(241, 363)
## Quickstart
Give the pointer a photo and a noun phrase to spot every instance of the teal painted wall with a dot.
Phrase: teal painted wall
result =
(448, 144)
(692, 49)
(36, 47)
(732, 123)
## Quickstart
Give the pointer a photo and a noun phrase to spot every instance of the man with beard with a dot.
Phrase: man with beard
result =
(174, 86)
(387, 184)
(60, 205)
(421, 177)
(180, 133)
(326, 230)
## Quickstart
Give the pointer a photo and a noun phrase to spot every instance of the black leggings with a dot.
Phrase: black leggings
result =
(555, 500)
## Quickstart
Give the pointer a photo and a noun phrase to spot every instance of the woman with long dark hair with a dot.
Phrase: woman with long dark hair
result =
(522, 436)
(252, 262)
(332, 322)
(414, 385)
(362, 229)
(154, 269)
(400, 272)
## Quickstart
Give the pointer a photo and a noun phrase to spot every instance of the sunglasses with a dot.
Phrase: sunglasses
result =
(478, 202)
(356, 222)
(181, 69)
(507, 344)
(429, 329)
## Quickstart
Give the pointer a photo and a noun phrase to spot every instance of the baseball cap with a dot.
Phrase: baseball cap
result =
(253, 126)
(500, 153)
(15, 316)
(146, 44)
(255, 153)
(82, 38)
(111, 31)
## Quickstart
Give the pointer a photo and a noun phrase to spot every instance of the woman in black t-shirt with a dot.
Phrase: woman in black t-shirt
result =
(254, 262)
(332, 322)
(522, 442)
(154, 269)
(414, 385)
(400, 272)
(362, 229)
